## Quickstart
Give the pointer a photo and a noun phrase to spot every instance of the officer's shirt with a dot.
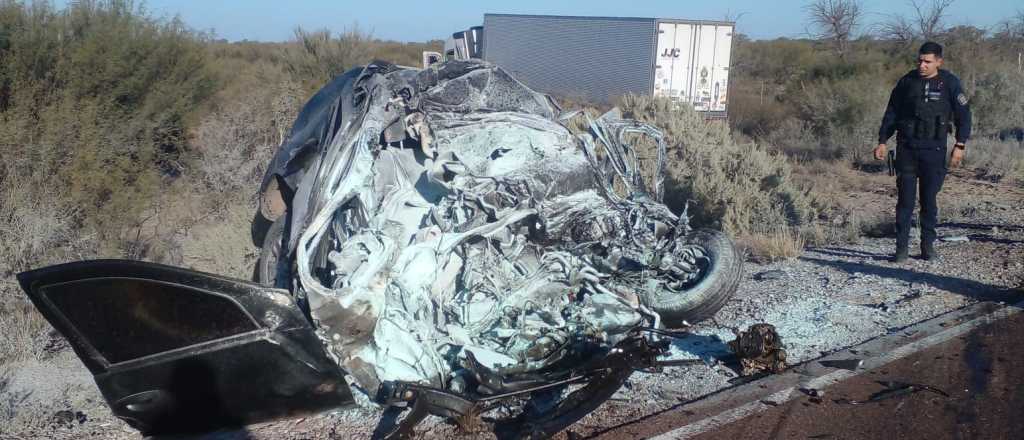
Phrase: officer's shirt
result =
(940, 97)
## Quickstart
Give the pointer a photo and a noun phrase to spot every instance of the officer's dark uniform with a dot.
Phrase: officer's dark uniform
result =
(920, 111)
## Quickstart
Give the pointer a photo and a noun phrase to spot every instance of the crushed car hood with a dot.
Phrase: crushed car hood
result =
(453, 223)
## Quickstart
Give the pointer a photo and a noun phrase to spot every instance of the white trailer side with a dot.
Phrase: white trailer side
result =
(601, 58)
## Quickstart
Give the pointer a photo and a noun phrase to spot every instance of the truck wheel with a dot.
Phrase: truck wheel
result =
(267, 271)
(717, 282)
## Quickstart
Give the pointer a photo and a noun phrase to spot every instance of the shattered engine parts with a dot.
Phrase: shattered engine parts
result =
(759, 349)
(453, 234)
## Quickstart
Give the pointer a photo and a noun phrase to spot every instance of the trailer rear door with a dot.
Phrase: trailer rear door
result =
(693, 63)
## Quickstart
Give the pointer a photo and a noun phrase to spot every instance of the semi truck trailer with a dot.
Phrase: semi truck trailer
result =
(598, 59)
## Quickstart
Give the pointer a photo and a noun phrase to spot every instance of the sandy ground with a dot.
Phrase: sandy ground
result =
(827, 299)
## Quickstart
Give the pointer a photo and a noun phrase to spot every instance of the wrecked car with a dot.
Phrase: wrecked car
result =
(438, 240)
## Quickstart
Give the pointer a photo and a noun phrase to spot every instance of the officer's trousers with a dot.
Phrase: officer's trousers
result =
(918, 172)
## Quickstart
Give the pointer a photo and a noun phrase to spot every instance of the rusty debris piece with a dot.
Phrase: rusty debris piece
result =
(759, 349)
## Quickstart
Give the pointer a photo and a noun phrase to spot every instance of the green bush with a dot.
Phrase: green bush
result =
(998, 102)
(96, 98)
(315, 57)
(739, 187)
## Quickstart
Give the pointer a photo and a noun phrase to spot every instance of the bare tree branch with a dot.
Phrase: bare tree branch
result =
(897, 28)
(929, 16)
(734, 16)
(835, 21)
(926, 23)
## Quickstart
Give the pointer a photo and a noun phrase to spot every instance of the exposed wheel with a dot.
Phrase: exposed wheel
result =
(267, 270)
(719, 276)
(258, 228)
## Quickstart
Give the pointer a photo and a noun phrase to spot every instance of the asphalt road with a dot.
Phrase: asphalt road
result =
(981, 370)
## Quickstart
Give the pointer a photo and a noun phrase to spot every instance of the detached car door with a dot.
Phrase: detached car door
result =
(177, 351)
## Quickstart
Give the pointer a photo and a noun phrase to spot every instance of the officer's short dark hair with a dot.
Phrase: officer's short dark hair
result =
(931, 47)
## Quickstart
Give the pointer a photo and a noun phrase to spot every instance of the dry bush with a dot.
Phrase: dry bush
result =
(740, 188)
(314, 57)
(34, 225)
(95, 113)
(823, 234)
(848, 228)
(24, 329)
(795, 138)
(958, 207)
(996, 160)
(772, 244)
(241, 129)
(878, 226)
(842, 112)
(36, 229)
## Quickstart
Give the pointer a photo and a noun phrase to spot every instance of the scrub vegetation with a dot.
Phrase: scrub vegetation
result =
(127, 135)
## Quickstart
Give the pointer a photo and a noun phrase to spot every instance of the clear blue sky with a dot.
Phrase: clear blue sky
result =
(406, 20)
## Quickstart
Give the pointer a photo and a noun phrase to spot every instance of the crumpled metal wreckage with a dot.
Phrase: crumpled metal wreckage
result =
(456, 249)
(759, 350)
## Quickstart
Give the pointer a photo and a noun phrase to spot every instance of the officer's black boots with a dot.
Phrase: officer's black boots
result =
(928, 251)
(901, 254)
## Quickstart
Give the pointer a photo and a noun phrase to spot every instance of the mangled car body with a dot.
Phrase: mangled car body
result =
(450, 244)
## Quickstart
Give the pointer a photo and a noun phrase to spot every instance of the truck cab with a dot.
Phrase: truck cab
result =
(463, 45)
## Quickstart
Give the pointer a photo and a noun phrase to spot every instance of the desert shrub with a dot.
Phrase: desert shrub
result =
(241, 129)
(770, 244)
(740, 188)
(995, 159)
(96, 98)
(795, 138)
(313, 58)
(998, 101)
(843, 113)
(36, 226)
(25, 330)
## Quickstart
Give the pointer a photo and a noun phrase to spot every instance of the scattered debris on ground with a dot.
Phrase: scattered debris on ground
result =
(759, 350)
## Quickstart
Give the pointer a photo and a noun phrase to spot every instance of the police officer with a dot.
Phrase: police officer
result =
(921, 108)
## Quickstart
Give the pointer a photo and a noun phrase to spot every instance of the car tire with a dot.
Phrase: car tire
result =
(270, 253)
(258, 229)
(710, 292)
